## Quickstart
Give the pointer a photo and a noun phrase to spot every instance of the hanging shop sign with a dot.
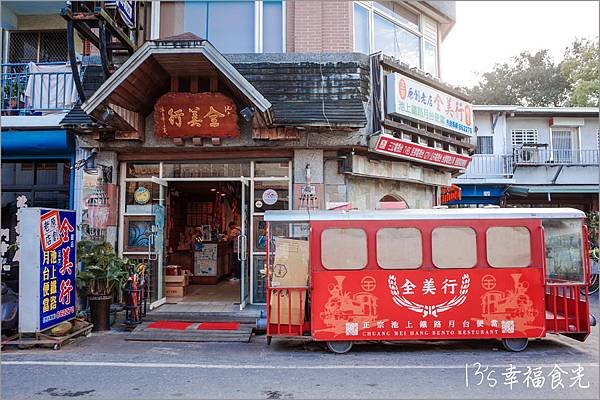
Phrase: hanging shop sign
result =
(47, 268)
(270, 197)
(450, 193)
(183, 115)
(410, 98)
(387, 144)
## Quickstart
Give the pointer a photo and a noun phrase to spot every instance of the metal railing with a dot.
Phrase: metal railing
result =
(489, 165)
(555, 157)
(25, 92)
(502, 165)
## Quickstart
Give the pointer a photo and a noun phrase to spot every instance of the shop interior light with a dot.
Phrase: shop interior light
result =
(212, 189)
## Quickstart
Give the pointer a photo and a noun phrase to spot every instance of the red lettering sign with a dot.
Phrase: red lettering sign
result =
(181, 115)
(390, 145)
(432, 304)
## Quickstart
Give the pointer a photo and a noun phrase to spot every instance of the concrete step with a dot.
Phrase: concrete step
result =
(143, 333)
(204, 316)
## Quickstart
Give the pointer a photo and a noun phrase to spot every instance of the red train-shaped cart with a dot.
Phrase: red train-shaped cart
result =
(508, 274)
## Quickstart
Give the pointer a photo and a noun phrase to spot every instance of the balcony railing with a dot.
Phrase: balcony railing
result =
(500, 166)
(38, 90)
(555, 157)
(489, 166)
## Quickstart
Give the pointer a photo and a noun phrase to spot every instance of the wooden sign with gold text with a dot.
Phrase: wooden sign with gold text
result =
(183, 115)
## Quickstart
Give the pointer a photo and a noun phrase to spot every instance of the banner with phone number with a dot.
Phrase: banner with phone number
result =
(57, 267)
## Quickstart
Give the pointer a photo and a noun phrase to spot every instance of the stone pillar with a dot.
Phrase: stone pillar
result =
(109, 159)
(313, 158)
(334, 182)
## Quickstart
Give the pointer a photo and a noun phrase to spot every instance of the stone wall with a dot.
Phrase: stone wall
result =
(365, 193)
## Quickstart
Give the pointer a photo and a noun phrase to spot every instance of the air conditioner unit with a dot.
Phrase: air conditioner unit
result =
(528, 152)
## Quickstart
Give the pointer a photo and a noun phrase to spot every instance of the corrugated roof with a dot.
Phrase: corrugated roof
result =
(519, 110)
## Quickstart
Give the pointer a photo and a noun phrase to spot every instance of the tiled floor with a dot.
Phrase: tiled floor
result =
(224, 291)
(223, 297)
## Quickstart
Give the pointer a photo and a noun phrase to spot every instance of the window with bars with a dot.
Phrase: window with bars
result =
(524, 136)
(485, 145)
(37, 46)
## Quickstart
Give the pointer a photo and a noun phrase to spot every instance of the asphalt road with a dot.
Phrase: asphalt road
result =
(104, 366)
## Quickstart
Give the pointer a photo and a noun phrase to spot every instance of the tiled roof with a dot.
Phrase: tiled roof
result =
(187, 36)
(304, 89)
(309, 91)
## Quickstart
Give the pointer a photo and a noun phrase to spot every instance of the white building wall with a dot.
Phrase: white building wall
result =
(589, 134)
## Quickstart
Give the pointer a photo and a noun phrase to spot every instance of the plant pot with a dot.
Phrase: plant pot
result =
(100, 312)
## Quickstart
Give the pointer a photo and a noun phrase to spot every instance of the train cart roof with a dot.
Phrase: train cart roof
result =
(417, 214)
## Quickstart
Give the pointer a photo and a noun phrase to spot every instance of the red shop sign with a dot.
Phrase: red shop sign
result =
(392, 146)
(181, 115)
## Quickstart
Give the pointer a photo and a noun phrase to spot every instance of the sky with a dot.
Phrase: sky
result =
(489, 32)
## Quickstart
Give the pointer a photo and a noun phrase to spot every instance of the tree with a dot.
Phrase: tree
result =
(527, 80)
(580, 70)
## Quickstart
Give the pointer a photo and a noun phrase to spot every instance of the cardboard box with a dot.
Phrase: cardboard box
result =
(290, 266)
(177, 280)
(173, 270)
(282, 299)
(175, 291)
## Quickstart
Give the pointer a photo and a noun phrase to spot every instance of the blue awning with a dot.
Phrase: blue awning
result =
(48, 144)
(480, 194)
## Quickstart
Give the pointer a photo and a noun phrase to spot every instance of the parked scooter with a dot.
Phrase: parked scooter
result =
(10, 310)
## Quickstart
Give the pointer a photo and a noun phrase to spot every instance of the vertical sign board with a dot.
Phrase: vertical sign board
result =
(47, 268)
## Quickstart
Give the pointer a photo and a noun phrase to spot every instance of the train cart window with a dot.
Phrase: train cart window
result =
(344, 248)
(454, 247)
(399, 248)
(508, 246)
(564, 250)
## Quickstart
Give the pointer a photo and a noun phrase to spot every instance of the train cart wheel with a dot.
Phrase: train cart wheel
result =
(515, 344)
(339, 347)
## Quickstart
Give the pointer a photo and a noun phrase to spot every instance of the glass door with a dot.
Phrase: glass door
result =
(562, 145)
(243, 248)
(156, 243)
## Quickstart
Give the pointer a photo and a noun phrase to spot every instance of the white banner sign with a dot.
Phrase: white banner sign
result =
(410, 98)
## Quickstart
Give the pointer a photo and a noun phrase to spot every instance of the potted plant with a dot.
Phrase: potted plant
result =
(12, 94)
(102, 277)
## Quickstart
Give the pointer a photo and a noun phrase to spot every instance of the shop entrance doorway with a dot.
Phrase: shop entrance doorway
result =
(203, 249)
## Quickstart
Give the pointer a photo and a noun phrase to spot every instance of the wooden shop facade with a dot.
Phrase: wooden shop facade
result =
(201, 144)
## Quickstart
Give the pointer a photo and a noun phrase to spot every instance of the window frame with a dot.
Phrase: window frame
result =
(478, 148)
(575, 142)
(40, 35)
(396, 228)
(475, 262)
(524, 133)
(338, 228)
(389, 16)
(550, 281)
(487, 243)
(258, 24)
